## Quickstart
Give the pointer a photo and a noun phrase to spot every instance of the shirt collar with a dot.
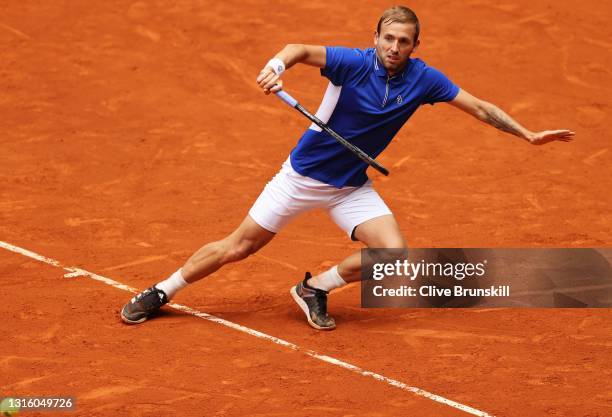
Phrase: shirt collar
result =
(380, 70)
(378, 66)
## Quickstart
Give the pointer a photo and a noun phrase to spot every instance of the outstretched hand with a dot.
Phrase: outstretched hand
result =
(545, 136)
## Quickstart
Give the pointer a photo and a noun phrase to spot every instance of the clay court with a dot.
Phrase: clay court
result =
(132, 133)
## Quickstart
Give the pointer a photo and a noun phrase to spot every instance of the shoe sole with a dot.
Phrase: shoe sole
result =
(128, 321)
(302, 304)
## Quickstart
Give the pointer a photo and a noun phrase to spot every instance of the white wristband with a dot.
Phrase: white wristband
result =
(277, 65)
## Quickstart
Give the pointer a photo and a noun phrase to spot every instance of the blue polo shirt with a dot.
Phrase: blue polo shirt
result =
(366, 107)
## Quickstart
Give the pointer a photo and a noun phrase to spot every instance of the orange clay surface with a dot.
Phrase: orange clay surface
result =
(133, 133)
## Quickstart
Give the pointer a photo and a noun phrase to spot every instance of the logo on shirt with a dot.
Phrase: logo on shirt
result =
(399, 99)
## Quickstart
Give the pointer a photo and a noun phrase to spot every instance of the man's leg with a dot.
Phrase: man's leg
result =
(247, 239)
(311, 294)
(382, 233)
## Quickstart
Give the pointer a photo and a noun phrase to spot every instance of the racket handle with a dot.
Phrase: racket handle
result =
(286, 98)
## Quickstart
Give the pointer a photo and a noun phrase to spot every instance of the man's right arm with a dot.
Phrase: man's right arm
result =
(269, 77)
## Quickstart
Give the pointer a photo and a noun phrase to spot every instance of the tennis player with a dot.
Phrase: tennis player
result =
(371, 94)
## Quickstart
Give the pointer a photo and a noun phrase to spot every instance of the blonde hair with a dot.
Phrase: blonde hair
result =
(400, 14)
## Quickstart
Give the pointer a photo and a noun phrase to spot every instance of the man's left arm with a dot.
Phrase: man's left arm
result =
(496, 117)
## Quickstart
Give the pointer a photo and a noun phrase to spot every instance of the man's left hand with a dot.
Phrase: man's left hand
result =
(541, 138)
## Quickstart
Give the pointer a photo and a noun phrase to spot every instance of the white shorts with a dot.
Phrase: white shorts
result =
(289, 194)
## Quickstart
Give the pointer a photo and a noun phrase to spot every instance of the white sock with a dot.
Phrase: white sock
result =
(171, 285)
(328, 280)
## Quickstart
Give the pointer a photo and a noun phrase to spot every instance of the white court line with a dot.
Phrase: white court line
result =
(76, 272)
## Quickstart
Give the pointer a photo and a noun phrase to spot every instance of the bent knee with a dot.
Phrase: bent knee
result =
(394, 243)
(389, 251)
(240, 250)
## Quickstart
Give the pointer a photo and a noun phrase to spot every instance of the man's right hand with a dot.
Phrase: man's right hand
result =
(269, 81)
(269, 77)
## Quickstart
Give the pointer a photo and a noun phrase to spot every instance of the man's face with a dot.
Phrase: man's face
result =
(394, 45)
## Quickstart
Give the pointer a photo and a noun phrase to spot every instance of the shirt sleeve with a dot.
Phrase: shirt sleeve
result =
(341, 63)
(440, 88)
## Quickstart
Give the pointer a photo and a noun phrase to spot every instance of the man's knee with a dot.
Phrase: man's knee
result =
(239, 249)
(392, 242)
(390, 239)
(245, 241)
